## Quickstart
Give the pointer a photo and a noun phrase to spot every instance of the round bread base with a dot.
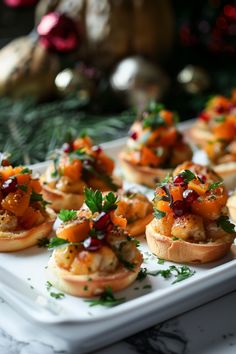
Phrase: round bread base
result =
(231, 204)
(227, 171)
(92, 284)
(145, 175)
(199, 134)
(60, 200)
(19, 240)
(180, 251)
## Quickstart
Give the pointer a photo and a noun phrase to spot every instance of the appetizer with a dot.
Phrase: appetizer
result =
(95, 252)
(137, 209)
(77, 165)
(190, 222)
(24, 218)
(154, 147)
(215, 132)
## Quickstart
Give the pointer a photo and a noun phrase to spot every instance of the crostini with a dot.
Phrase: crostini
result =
(215, 132)
(137, 209)
(95, 252)
(191, 223)
(76, 165)
(24, 217)
(154, 147)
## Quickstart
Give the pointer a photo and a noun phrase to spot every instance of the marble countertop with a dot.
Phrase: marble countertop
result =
(208, 329)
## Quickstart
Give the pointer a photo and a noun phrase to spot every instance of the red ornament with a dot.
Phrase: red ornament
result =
(58, 32)
(20, 3)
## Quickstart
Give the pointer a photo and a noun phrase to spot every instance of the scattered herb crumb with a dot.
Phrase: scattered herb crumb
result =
(57, 296)
(161, 261)
(107, 299)
(147, 286)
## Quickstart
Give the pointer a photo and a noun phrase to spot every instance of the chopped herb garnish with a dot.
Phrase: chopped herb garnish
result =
(161, 261)
(26, 170)
(164, 181)
(225, 224)
(57, 242)
(67, 215)
(187, 175)
(215, 185)
(36, 197)
(165, 273)
(158, 213)
(86, 288)
(22, 187)
(181, 273)
(43, 242)
(57, 296)
(220, 119)
(134, 240)
(142, 274)
(154, 121)
(174, 238)
(147, 286)
(106, 299)
(48, 285)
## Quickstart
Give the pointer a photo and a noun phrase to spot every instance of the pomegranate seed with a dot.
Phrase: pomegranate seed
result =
(67, 147)
(9, 186)
(92, 244)
(220, 109)
(102, 221)
(179, 181)
(5, 163)
(134, 135)
(202, 178)
(179, 207)
(204, 116)
(190, 196)
(97, 149)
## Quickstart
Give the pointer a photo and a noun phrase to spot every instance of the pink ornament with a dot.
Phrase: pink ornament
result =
(20, 3)
(58, 32)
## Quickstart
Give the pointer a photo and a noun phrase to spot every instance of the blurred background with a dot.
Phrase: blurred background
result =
(94, 63)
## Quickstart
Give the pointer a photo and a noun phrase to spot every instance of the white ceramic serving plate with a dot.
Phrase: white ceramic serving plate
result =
(23, 285)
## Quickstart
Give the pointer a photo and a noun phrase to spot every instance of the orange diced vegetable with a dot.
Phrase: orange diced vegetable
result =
(31, 218)
(225, 130)
(176, 192)
(163, 206)
(16, 203)
(149, 158)
(167, 116)
(73, 170)
(105, 163)
(197, 186)
(82, 142)
(36, 186)
(23, 179)
(118, 220)
(75, 231)
(7, 172)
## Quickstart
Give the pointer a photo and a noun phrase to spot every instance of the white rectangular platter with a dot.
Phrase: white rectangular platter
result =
(23, 278)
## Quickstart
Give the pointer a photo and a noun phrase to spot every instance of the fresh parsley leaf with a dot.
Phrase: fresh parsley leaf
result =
(153, 121)
(106, 299)
(215, 185)
(155, 107)
(188, 175)
(67, 215)
(158, 214)
(165, 273)
(225, 224)
(57, 242)
(26, 170)
(93, 199)
(36, 197)
(164, 181)
(174, 238)
(57, 296)
(22, 187)
(110, 202)
(43, 242)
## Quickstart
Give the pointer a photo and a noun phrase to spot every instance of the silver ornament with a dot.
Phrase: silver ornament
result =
(138, 81)
(194, 79)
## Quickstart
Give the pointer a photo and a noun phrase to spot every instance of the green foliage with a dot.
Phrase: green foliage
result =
(30, 131)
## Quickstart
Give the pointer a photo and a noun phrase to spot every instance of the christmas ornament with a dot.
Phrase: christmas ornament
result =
(81, 79)
(58, 32)
(20, 3)
(194, 79)
(138, 81)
